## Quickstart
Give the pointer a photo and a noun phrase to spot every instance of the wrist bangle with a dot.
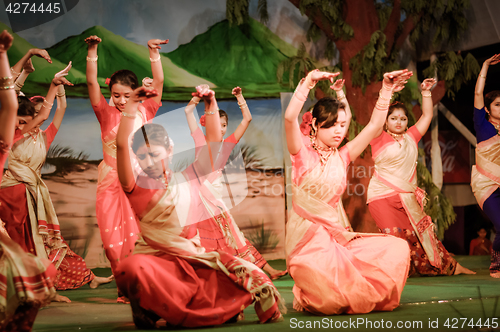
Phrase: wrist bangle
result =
(196, 102)
(482, 76)
(92, 59)
(381, 105)
(387, 87)
(47, 104)
(60, 95)
(383, 98)
(155, 60)
(427, 95)
(128, 115)
(211, 113)
(243, 105)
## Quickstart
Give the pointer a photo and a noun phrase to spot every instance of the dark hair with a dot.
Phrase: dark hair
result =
(397, 106)
(124, 77)
(26, 107)
(150, 134)
(489, 98)
(223, 114)
(326, 111)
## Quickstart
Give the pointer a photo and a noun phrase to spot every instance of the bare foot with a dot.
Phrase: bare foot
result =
(463, 270)
(97, 281)
(273, 273)
(60, 298)
(495, 275)
(296, 305)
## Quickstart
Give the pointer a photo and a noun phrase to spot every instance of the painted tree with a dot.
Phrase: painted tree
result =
(367, 36)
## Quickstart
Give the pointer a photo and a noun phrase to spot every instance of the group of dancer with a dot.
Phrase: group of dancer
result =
(175, 250)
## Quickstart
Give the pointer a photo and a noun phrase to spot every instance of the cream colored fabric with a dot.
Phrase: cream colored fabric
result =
(485, 177)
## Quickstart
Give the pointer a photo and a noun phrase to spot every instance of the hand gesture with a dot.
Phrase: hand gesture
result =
(41, 54)
(93, 40)
(147, 82)
(338, 85)
(63, 72)
(5, 41)
(236, 91)
(28, 66)
(493, 60)
(317, 75)
(427, 84)
(61, 81)
(143, 93)
(398, 77)
(155, 43)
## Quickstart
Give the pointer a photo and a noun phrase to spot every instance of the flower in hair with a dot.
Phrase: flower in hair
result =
(34, 98)
(108, 80)
(305, 126)
(202, 120)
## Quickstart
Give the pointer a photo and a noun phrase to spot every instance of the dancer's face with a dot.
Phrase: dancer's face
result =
(223, 125)
(22, 121)
(494, 110)
(153, 160)
(334, 135)
(482, 233)
(397, 122)
(120, 95)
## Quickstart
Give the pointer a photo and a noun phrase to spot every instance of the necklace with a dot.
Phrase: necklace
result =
(324, 153)
(34, 136)
(497, 126)
(396, 137)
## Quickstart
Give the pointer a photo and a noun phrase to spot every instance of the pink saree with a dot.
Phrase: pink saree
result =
(336, 270)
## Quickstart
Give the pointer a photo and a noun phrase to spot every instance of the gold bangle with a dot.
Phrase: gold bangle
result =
(60, 95)
(15, 73)
(132, 116)
(385, 87)
(211, 113)
(241, 104)
(428, 95)
(47, 104)
(92, 59)
(155, 60)
(383, 98)
(382, 105)
(19, 85)
(194, 101)
(482, 76)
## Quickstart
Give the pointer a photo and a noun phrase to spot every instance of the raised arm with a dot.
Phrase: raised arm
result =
(247, 116)
(481, 81)
(337, 86)
(292, 127)
(61, 98)
(379, 114)
(27, 69)
(44, 112)
(189, 110)
(91, 73)
(8, 98)
(212, 118)
(18, 67)
(156, 67)
(427, 106)
(126, 127)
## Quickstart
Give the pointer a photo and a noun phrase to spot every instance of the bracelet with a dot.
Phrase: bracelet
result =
(92, 59)
(128, 115)
(482, 76)
(243, 105)
(19, 85)
(15, 73)
(196, 102)
(155, 60)
(381, 105)
(47, 104)
(211, 113)
(60, 95)
(383, 98)
(385, 87)
(428, 95)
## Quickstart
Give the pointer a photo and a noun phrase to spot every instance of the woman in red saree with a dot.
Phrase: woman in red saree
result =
(335, 269)
(115, 217)
(26, 282)
(395, 201)
(485, 180)
(224, 234)
(171, 275)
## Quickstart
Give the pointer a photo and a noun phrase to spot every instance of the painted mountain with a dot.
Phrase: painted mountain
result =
(39, 80)
(246, 56)
(115, 53)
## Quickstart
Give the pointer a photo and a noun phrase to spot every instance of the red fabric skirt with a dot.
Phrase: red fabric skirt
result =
(183, 294)
(391, 218)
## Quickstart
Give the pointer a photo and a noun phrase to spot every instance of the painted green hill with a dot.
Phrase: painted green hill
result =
(246, 55)
(115, 53)
(39, 80)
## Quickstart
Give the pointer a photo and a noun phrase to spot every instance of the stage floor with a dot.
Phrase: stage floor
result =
(458, 303)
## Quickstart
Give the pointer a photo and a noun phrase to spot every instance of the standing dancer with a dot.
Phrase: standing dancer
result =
(394, 199)
(25, 280)
(171, 275)
(336, 270)
(224, 234)
(485, 179)
(115, 217)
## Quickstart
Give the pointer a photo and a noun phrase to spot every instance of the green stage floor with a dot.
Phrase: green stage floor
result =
(455, 303)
